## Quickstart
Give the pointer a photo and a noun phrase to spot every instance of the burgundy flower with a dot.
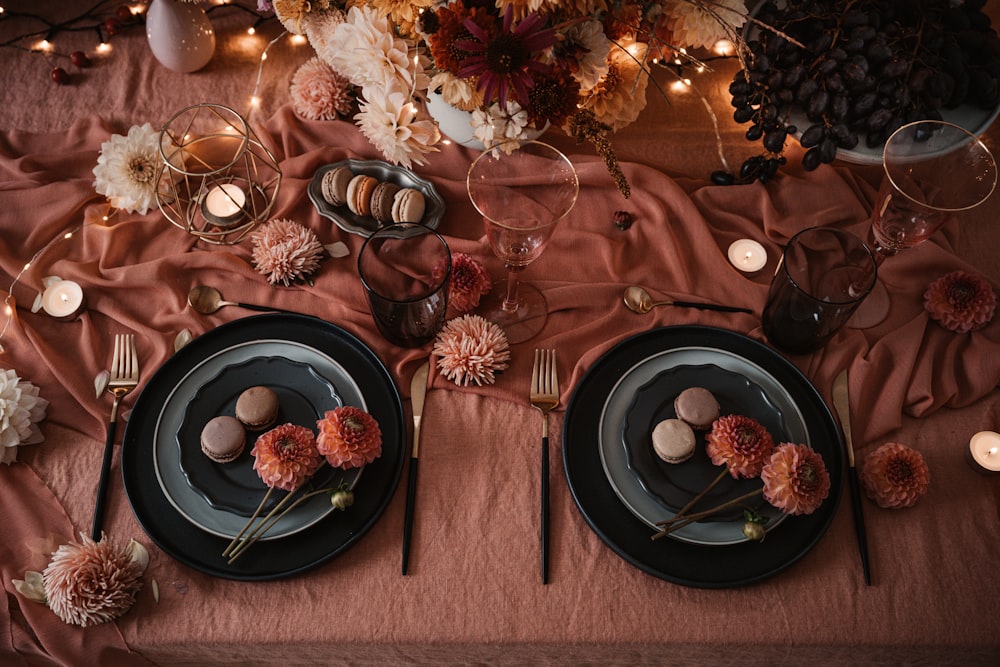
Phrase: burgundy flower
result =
(960, 301)
(795, 479)
(506, 62)
(895, 476)
(469, 283)
(740, 443)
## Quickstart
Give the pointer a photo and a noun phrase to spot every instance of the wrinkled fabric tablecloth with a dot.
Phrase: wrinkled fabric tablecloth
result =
(473, 594)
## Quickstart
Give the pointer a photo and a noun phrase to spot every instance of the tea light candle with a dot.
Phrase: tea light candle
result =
(223, 205)
(984, 451)
(747, 255)
(63, 299)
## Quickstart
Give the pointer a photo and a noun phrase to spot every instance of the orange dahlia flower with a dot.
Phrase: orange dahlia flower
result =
(349, 437)
(286, 456)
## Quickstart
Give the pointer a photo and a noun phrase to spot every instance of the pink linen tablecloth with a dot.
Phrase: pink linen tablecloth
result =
(473, 594)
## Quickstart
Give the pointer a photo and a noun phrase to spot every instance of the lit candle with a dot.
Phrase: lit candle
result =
(223, 205)
(984, 451)
(63, 299)
(747, 255)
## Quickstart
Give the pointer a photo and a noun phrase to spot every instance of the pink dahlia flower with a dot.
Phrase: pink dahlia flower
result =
(89, 583)
(471, 349)
(960, 301)
(285, 251)
(469, 283)
(740, 443)
(349, 437)
(895, 476)
(286, 456)
(318, 92)
(795, 479)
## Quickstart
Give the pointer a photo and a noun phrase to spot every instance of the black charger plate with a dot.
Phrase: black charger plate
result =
(680, 562)
(300, 551)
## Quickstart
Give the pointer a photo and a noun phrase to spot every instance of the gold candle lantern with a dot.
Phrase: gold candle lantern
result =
(217, 180)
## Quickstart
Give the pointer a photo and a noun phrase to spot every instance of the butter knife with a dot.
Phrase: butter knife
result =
(418, 390)
(843, 407)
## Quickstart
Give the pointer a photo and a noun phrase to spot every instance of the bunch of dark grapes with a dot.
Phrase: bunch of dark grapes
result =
(856, 71)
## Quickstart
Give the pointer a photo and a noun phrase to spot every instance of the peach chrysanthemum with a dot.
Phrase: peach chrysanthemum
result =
(469, 282)
(319, 93)
(620, 95)
(961, 301)
(795, 479)
(895, 476)
(88, 582)
(471, 349)
(702, 23)
(349, 437)
(285, 251)
(740, 443)
(286, 456)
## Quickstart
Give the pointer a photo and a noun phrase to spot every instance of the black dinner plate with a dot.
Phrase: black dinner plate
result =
(675, 484)
(298, 552)
(680, 562)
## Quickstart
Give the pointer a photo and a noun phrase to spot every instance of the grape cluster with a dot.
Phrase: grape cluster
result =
(856, 71)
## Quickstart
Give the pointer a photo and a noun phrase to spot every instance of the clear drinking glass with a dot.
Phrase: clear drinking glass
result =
(934, 170)
(522, 189)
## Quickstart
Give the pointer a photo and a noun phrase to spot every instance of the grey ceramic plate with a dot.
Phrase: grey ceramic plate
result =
(303, 398)
(629, 489)
(365, 225)
(166, 455)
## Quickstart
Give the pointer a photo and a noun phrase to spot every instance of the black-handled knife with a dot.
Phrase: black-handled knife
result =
(843, 406)
(418, 390)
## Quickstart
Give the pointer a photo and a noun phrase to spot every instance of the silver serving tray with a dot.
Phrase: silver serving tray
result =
(364, 225)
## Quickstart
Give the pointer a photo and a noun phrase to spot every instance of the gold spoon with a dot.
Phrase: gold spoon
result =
(639, 301)
(207, 300)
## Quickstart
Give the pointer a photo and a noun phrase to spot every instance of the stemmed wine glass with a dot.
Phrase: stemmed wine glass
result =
(522, 189)
(933, 171)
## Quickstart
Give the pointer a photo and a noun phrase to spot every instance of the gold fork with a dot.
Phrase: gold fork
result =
(124, 378)
(545, 396)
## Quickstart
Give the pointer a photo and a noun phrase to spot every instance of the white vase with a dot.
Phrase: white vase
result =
(457, 124)
(180, 35)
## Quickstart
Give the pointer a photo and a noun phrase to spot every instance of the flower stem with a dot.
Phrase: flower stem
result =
(256, 513)
(692, 518)
(268, 522)
(693, 501)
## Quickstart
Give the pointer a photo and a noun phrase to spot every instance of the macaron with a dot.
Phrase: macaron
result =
(223, 439)
(697, 406)
(359, 194)
(408, 205)
(335, 184)
(673, 440)
(257, 408)
(382, 200)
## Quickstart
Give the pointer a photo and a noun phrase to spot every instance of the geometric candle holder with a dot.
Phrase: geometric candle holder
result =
(217, 181)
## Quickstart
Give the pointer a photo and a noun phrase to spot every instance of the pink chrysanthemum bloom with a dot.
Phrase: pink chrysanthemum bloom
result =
(320, 93)
(740, 443)
(471, 349)
(895, 476)
(349, 437)
(507, 61)
(285, 251)
(960, 301)
(795, 479)
(286, 456)
(469, 282)
(89, 583)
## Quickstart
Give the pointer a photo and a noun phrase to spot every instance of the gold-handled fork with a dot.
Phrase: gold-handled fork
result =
(124, 378)
(545, 396)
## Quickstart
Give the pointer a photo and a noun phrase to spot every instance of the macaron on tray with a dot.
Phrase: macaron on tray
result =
(360, 196)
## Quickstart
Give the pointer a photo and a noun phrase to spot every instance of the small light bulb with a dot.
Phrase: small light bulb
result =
(251, 31)
(103, 47)
(263, 56)
(255, 101)
(297, 40)
(68, 235)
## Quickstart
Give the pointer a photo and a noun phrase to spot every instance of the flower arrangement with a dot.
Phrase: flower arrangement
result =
(519, 65)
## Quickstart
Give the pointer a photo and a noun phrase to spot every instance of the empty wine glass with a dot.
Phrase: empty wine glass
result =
(933, 171)
(522, 189)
